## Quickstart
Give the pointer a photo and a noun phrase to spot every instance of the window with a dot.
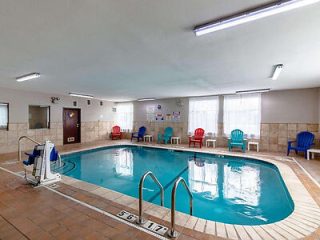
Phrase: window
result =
(4, 116)
(39, 117)
(203, 113)
(124, 116)
(242, 112)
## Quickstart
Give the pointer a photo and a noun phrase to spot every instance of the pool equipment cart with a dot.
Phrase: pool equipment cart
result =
(41, 158)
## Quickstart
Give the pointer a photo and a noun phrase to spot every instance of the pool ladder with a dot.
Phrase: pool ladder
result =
(172, 232)
(19, 144)
(143, 178)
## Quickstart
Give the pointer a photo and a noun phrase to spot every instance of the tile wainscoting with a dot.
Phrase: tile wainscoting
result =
(179, 128)
(273, 136)
(90, 131)
(93, 131)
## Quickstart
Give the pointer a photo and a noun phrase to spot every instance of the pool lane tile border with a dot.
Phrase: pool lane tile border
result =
(302, 222)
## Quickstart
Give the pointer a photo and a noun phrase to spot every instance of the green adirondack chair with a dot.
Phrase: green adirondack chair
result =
(237, 140)
(166, 137)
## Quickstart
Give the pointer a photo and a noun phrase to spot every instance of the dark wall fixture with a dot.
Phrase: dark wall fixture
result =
(54, 99)
(89, 102)
(75, 103)
(101, 103)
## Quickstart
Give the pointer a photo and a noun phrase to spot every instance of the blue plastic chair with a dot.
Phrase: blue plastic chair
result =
(303, 142)
(140, 134)
(237, 140)
(166, 137)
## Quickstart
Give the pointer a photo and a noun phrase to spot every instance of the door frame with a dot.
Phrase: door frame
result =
(63, 124)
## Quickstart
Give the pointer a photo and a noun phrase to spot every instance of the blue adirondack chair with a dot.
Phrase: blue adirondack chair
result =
(140, 134)
(303, 142)
(237, 140)
(166, 137)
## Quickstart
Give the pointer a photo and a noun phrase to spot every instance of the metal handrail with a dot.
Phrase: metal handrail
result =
(19, 145)
(172, 233)
(140, 220)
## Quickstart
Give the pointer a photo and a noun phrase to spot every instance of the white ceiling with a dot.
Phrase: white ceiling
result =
(131, 49)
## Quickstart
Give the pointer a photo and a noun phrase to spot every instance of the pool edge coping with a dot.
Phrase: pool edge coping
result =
(302, 222)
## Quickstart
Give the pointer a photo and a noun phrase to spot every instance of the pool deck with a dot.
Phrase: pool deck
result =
(78, 210)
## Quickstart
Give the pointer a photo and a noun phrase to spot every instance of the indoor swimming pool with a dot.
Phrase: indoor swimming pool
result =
(225, 189)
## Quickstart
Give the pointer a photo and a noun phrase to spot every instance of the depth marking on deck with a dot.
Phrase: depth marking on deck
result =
(149, 225)
(95, 209)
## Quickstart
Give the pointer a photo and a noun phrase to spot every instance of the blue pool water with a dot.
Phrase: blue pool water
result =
(225, 189)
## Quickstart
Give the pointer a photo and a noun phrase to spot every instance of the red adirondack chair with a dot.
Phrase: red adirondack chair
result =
(115, 132)
(197, 138)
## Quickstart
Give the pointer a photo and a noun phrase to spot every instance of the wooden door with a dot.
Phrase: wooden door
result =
(71, 125)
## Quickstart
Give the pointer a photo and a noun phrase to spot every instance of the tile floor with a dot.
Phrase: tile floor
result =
(38, 213)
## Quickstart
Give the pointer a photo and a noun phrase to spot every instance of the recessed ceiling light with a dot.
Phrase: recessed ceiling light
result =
(254, 91)
(28, 77)
(277, 70)
(145, 99)
(80, 95)
(255, 14)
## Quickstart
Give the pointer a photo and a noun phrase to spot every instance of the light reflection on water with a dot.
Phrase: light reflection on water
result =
(236, 183)
(225, 189)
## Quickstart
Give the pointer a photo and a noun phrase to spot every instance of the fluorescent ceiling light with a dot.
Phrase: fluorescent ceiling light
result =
(254, 91)
(145, 99)
(116, 100)
(277, 70)
(28, 77)
(80, 95)
(255, 14)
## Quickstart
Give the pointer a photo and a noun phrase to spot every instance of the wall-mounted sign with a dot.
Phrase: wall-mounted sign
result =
(176, 116)
(70, 139)
(159, 117)
(168, 117)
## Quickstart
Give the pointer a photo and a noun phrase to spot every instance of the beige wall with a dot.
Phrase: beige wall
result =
(319, 111)
(287, 106)
(167, 106)
(96, 120)
(290, 106)
(19, 102)
(284, 113)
